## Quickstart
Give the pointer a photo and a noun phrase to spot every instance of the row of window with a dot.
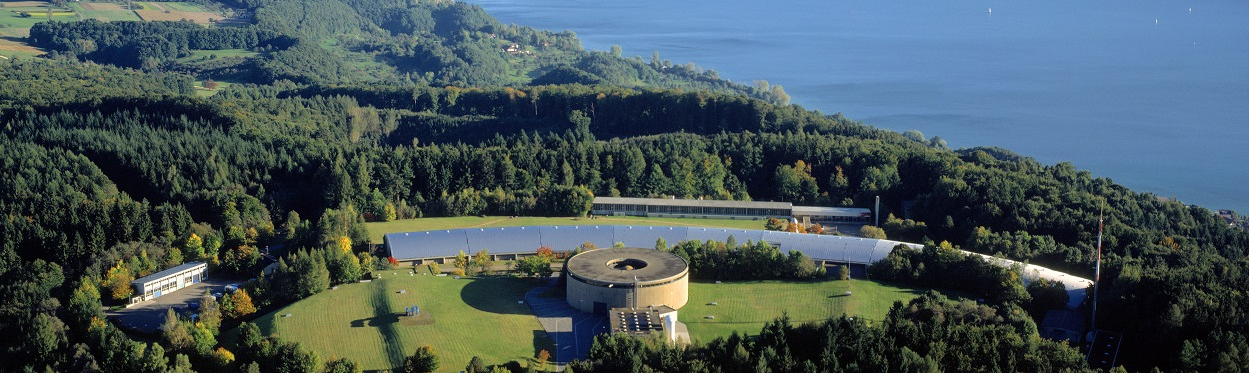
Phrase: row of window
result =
(173, 285)
(607, 208)
(852, 219)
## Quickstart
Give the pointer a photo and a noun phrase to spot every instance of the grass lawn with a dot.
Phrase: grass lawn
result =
(379, 229)
(200, 91)
(746, 306)
(365, 321)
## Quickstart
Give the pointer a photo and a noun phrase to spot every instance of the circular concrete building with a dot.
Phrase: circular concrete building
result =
(603, 279)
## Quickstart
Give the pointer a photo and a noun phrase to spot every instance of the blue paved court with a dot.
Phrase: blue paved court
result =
(571, 330)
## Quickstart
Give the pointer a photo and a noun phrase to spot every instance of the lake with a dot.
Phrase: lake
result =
(1151, 93)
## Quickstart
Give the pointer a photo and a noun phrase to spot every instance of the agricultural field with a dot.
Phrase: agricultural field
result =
(104, 11)
(379, 229)
(14, 28)
(459, 318)
(185, 7)
(11, 45)
(202, 18)
(11, 14)
(746, 306)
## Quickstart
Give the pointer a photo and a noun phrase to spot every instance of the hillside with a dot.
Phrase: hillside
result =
(401, 43)
(348, 111)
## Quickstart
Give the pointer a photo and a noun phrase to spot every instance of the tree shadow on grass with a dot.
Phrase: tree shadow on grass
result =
(495, 295)
(376, 321)
(543, 341)
(386, 322)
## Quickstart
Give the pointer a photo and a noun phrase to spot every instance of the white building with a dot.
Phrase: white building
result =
(167, 281)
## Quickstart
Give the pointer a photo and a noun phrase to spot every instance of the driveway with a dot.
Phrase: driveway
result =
(570, 329)
(146, 317)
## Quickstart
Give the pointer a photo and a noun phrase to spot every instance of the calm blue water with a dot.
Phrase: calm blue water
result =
(1158, 106)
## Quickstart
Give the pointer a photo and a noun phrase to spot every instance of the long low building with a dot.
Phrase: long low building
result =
(754, 210)
(510, 243)
(507, 243)
(167, 281)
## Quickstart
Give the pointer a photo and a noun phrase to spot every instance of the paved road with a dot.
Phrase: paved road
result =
(571, 330)
(147, 317)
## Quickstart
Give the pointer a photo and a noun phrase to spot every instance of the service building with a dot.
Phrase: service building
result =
(167, 281)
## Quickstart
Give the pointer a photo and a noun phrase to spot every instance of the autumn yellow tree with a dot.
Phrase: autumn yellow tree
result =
(223, 356)
(461, 260)
(242, 305)
(543, 356)
(815, 229)
(868, 231)
(118, 282)
(389, 213)
(481, 260)
(193, 250)
(344, 244)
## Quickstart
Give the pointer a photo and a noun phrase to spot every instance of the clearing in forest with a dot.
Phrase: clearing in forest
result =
(460, 318)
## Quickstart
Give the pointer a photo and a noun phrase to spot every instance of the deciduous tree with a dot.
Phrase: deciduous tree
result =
(424, 360)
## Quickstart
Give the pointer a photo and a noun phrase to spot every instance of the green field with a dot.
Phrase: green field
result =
(185, 7)
(365, 321)
(221, 53)
(746, 306)
(10, 18)
(104, 15)
(379, 229)
(200, 91)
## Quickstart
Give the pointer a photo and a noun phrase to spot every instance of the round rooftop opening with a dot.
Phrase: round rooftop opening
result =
(627, 264)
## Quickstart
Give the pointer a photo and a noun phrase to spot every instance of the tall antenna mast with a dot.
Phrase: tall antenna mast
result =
(1097, 272)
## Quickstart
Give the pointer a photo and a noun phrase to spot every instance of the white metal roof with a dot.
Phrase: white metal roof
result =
(168, 272)
(448, 243)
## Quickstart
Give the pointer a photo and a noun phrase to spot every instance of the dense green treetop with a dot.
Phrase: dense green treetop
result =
(377, 109)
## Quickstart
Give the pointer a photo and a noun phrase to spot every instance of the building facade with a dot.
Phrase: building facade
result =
(167, 281)
(601, 280)
(698, 208)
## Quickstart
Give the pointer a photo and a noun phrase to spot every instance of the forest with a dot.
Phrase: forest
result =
(929, 334)
(113, 169)
(402, 43)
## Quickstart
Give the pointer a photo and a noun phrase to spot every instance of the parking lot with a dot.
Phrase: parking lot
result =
(146, 317)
